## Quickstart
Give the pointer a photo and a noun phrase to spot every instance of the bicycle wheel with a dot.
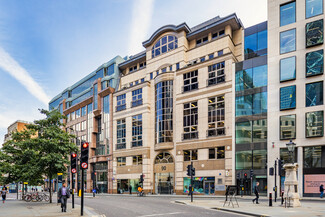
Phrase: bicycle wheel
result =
(39, 198)
(46, 198)
(28, 198)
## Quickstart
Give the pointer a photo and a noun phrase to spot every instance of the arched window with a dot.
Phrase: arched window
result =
(163, 158)
(164, 45)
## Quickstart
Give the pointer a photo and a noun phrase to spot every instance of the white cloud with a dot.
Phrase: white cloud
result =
(8, 64)
(141, 20)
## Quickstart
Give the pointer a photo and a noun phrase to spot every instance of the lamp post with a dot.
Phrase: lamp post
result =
(291, 148)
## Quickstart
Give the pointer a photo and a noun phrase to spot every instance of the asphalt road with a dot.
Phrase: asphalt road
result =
(120, 206)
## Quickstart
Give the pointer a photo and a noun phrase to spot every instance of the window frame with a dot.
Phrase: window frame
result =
(295, 136)
(295, 40)
(295, 98)
(287, 3)
(309, 53)
(322, 135)
(316, 14)
(290, 79)
(191, 155)
(321, 82)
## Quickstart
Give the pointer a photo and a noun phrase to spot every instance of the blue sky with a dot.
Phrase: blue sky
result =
(46, 45)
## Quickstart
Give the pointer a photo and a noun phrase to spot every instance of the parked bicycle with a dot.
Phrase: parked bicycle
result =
(36, 197)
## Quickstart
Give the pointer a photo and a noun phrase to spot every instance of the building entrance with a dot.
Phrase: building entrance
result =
(164, 173)
(164, 183)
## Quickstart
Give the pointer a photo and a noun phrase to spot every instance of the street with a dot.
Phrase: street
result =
(118, 206)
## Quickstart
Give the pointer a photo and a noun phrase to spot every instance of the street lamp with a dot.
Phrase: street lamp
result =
(291, 148)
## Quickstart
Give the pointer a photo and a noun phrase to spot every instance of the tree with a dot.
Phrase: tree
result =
(43, 149)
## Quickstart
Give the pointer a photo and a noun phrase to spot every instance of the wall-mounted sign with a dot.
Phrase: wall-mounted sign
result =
(312, 183)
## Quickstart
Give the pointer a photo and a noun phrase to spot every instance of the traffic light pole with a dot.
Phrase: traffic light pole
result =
(275, 188)
(191, 182)
(72, 174)
(82, 192)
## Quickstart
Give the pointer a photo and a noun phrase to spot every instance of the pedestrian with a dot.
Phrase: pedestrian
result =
(97, 189)
(3, 194)
(130, 189)
(256, 192)
(321, 189)
(63, 195)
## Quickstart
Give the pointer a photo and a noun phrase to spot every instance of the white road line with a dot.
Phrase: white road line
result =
(162, 214)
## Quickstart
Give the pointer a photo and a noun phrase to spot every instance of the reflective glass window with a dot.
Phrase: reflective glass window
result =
(110, 70)
(259, 130)
(244, 105)
(251, 43)
(313, 157)
(314, 33)
(243, 132)
(315, 63)
(262, 40)
(89, 108)
(288, 97)
(314, 8)
(314, 94)
(259, 159)
(136, 130)
(163, 45)
(288, 13)
(260, 103)
(314, 124)
(95, 96)
(288, 41)
(243, 160)
(288, 68)
(120, 133)
(260, 76)
(288, 127)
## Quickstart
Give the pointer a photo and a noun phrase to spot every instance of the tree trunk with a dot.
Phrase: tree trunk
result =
(50, 178)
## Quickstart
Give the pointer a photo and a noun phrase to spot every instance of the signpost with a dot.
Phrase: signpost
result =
(84, 165)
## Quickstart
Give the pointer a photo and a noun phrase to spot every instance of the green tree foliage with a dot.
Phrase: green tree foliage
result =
(42, 150)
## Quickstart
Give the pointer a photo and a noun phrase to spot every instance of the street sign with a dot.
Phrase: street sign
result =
(25, 183)
(60, 174)
(84, 165)
(73, 170)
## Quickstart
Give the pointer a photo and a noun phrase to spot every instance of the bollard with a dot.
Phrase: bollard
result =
(270, 200)
(282, 199)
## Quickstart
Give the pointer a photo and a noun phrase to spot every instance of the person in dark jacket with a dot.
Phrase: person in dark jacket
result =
(321, 189)
(130, 189)
(256, 192)
(63, 195)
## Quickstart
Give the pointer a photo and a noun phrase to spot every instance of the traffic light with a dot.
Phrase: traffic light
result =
(193, 171)
(280, 167)
(251, 173)
(141, 178)
(238, 175)
(93, 176)
(73, 160)
(84, 155)
(189, 170)
(245, 175)
(271, 171)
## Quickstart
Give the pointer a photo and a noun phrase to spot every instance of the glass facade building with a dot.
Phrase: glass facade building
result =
(251, 111)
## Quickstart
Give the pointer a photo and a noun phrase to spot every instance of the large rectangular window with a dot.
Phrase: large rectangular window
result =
(216, 116)
(251, 78)
(288, 97)
(244, 105)
(216, 74)
(260, 103)
(137, 160)
(121, 161)
(259, 159)
(244, 160)
(315, 63)
(83, 111)
(314, 8)
(260, 76)
(288, 13)
(287, 41)
(288, 69)
(314, 33)
(314, 157)
(190, 121)
(314, 94)
(121, 102)
(136, 97)
(287, 127)
(190, 81)
(190, 155)
(259, 130)
(120, 134)
(243, 132)
(95, 96)
(314, 124)
(136, 130)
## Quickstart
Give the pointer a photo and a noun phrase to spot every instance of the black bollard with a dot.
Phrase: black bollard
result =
(270, 200)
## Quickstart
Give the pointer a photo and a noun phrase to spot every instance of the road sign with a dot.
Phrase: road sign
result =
(73, 170)
(25, 183)
(84, 165)
(60, 174)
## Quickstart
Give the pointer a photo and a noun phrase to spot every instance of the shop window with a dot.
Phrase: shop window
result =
(288, 69)
(288, 97)
(314, 94)
(288, 127)
(315, 63)
(314, 124)
(314, 8)
(287, 41)
(190, 155)
(314, 33)
(288, 13)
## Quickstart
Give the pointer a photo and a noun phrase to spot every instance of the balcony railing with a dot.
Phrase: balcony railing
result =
(216, 80)
(136, 103)
(190, 135)
(120, 107)
(100, 150)
(121, 146)
(216, 132)
(137, 143)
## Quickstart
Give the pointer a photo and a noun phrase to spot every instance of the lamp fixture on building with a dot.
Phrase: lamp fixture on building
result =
(291, 148)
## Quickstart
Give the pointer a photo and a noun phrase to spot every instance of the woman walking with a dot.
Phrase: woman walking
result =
(3, 194)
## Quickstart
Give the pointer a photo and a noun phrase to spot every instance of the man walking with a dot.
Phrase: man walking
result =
(63, 195)
(321, 189)
(256, 192)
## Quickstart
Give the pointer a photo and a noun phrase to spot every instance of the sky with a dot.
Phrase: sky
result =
(46, 46)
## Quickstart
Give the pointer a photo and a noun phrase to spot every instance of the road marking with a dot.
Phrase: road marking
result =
(172, 213)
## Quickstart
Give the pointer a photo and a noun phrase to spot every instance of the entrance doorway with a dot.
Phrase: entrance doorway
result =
(164, 183)
(209, 187)
(164, 173)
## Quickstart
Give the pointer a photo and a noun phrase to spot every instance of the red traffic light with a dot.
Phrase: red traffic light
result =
(74, 155)
(85, 145)
(95, 173)
(245, 174)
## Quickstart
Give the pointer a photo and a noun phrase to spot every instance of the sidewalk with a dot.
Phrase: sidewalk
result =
(263, 209)
(20, 208)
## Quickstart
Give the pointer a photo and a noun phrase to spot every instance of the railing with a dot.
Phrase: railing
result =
(190, 135)
(137, 143)
(100, 150)
(120, 107)
(216, 80)
(190, 87)
(121, 146)
(136, 103)
(216, 132)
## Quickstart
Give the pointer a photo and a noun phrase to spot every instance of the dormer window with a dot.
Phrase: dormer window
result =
(165, 44)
